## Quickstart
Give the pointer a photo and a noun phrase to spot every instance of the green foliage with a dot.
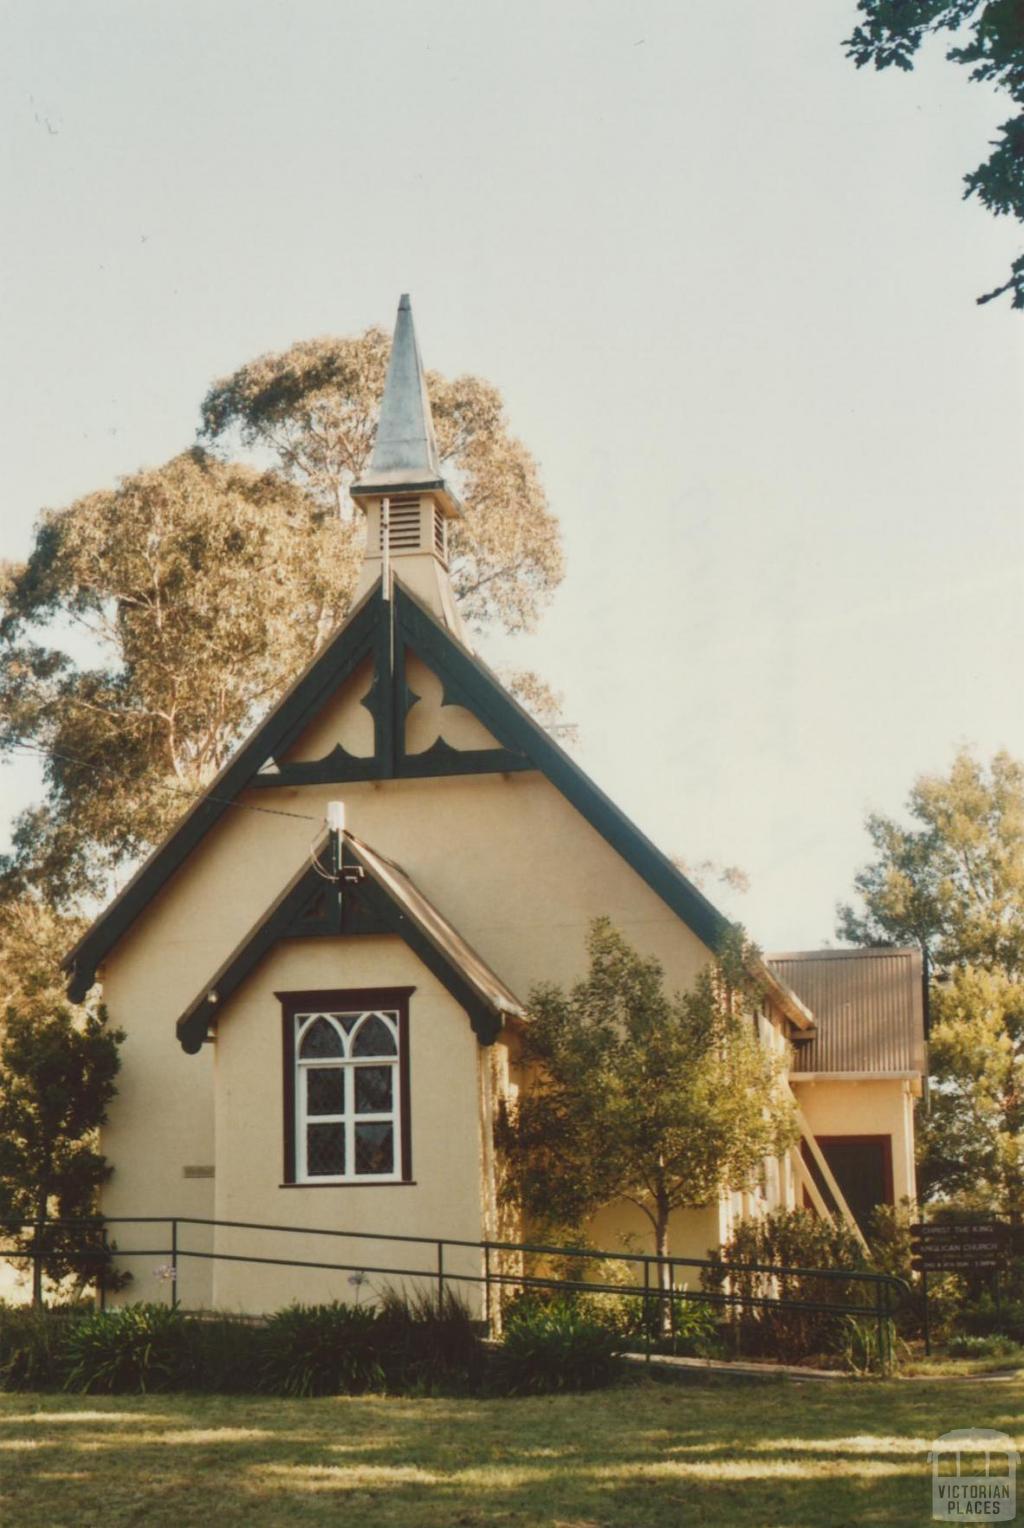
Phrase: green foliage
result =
(202, 589)
(952, 882)
(428, 1342)
(33, 1347)
(792, 1239)
(984, 1316)
(405, 1344)
(134, 1349)
(661, 1100)
(888, 1236)
(971, 1140)
(990, 43)
(691, 1328)
(415, 1345)
(222, 1354)
(554, 1346)
(322, 1350)
(34, 937)
(57, 1076)
(992, 1346)
(695, 1330)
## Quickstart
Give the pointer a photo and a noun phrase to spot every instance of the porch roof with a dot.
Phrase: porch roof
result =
(869, 1008)
(366, 893)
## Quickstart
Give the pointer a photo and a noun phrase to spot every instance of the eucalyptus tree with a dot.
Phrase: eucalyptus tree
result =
(199, 590)
(314, 408)
(949, 878)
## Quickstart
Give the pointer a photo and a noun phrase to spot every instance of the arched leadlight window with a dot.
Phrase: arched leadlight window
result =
(346, 1087)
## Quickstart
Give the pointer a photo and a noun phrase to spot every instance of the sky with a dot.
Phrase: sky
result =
(724, 281)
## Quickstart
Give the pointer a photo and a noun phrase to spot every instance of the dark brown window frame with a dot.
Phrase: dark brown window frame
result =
(328, 1000)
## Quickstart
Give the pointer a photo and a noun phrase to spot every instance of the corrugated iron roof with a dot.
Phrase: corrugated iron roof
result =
(868, 1004)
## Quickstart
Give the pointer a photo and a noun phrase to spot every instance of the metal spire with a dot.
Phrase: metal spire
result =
(405, 450)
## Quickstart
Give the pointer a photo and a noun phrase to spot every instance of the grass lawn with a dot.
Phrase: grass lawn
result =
(768, 1454)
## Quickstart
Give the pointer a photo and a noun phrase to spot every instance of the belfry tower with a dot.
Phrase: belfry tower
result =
(409, 505)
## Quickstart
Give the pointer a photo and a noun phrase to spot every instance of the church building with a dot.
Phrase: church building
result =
(324, 968)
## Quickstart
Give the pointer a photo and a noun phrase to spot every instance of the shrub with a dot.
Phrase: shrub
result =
(33, 1347)
(129, 1351)
(322, 1350)
(554, 1346)
(224, 1354)
(889, 1238)
(696, 1330)
(985, 1316)
(996, 1345)
(427, 1342)
(793, 1239)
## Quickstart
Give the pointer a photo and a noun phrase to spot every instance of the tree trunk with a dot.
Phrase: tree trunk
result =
(37, 1248)
(664, 1271)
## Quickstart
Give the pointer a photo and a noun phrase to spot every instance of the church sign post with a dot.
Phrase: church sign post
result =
(962, 1246)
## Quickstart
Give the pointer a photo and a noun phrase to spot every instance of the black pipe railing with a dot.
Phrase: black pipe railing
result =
(883, 1292)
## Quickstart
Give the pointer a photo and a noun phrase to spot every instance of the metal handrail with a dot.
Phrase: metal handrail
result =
(861, 1275)
(885, 1284)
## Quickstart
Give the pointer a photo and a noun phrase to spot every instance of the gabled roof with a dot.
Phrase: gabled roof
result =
(326, 672)
(385, 629)
(869, 1005)
(364, 894)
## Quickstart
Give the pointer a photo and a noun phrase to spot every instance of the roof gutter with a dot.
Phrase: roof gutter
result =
(797, 1012)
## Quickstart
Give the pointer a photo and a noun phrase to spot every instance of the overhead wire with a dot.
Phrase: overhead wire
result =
(22, 745)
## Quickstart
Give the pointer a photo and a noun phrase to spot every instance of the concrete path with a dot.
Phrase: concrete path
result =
(670, 1364)
(749, 1368)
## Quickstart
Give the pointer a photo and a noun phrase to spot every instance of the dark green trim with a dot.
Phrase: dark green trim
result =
(442, 759)
(338, 765)
(474, 686)
(311, 907)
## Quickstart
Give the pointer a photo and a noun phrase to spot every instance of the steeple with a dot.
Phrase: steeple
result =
(403, 487)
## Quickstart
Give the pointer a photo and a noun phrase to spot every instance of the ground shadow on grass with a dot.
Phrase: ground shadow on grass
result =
(638, 1456)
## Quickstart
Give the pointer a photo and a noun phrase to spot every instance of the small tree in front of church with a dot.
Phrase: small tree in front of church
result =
(57, 1076)
(662, 1100)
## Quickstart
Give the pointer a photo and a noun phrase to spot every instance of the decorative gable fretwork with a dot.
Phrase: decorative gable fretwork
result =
(396, 634)
(384, 631)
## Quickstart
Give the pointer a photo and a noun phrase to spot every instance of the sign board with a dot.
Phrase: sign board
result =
(963, 1246)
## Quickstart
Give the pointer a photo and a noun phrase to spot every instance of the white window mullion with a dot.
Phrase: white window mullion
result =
(348, 1119)
(302, 1164)
(350, 1129)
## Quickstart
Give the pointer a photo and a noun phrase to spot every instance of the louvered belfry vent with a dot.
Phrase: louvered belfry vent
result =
(440, 534)
(405, 525)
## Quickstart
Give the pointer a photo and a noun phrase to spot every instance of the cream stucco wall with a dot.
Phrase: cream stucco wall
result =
(872, 1106)
(520, 874)
(161, 1123)
(506, 858)
(447, 1195)
(623, 1227)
